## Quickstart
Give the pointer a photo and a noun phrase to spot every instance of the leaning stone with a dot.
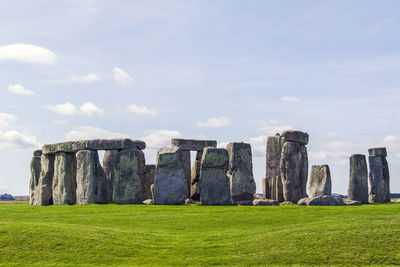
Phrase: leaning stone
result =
(148, 201)
(129, 176)
(149, 180)
(358, 181)
(379, 180)
(214, 184)
(320, 181)
(349, 202)
(37, 153)
(378, 151)
(295, 136)
(190, 144)
(294, 171)
(170, 186)
(195, 175)
(44, 195)
(109, 160)
(265, 202)
(90, 178)
(321, 201)
(64, 182)
(35, 176)
(240, 172)
(97, 144)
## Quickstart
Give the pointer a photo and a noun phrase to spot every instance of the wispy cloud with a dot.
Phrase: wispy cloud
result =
(122, 77)
(17, 140)
(290, 99)
(91, 109)
(6, 119)
(160, 138)
(141, 110)
(27, 53)
(89, 132)
(215, 122)
(19, 89)
(273, 128)
(90, 78)
(64, 109)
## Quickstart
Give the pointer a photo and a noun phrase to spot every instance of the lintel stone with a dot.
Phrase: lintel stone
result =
(191, 144)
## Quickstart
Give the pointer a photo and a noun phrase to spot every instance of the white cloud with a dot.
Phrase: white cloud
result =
(88, 132)
(60, 121)
(27, 53)
(18, 140)
(120, 76)
(266, 128)
(390, 138)
(258, 145)
(91, 109)
(141, 110)
(90, 78)
(331, 134)
(6, 119)
(19, 89)
(65, 109)
(160, 138)
(215, 122)
(290, 99)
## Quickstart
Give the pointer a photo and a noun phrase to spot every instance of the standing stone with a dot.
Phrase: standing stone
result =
(186, 167)
(214, 184)
(358, 182)
(240, 172)
(129, 175)
(279, 190)
(195, 175)
(44, 195)
(35, 176)
(170, 187)
(320, 181)
(64, 181)
(90, 178)
(379, 180)
(294, 171)
(265, 188)
(108, 167)
(273, 161)
(148, 181)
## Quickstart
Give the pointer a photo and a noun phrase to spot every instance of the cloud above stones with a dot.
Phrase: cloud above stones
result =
(122, 77)
(290, 99)
(6, 119)
(27, 53)
(19, 90)
(141, 110)
(90, 78)
(17, 140)
(271, 128)
(89, 132)
(91, 109)
(160, 138)
(69, 109)
(215, 122)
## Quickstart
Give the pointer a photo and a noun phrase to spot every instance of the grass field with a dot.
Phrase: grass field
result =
(198, 235)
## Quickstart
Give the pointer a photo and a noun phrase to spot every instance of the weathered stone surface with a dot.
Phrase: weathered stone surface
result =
(64, 181)
(266, 188)
(258, 196)
(321, 201)
(90, 178)
(214, 184)
(149, 180)
(295, 136)
(35, 176)
(243, 202)
(44, 194)
(265, 202)
(273, 187)
(279, 190)
(273, 161)
(320, 181)
(294, 171)
(108, 167)
(191, 144)
(349, 202)
(195, 175)
(240, 171)
(186, 167)
(378, 151)
(37, 153)
(379, 180)
(358, 181)
(98, 144)
(129, 176)
(170, 187)
(189, 201)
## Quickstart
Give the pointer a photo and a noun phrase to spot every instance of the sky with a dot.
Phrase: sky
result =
(224, 70)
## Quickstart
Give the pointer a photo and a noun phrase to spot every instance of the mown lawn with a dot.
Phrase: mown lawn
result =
(199, 235)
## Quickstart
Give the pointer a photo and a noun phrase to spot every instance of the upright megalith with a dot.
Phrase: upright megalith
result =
(90, 178)
(379, 180)
(186, 167)
(240, 171)
(194, 177)
(149, 180)
(129, 175)
(35, 175)
(320, 181)
(64, 181)
(44, 191)
(294, 165)
(170, 186)
(273, 161)
(358, 181)
(214, 184)
(109, 160)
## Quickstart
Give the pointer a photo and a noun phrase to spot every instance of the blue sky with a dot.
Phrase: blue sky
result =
(224, 70)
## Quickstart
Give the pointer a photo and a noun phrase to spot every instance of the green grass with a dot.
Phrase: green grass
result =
(199, 235)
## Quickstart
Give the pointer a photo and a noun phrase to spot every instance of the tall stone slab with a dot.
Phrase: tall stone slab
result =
(358, 181)
(109, 160)
(170, 187)
(320, 181)
(129, 176)
(91, 178)
(149, 180)
(294, 165)
(265, 188)
(35, 176)
(195, 176)
(64, 181)
(44, 192)
(379, 180)
(273, 159)
(240, 172)
(214, 184)
(186, 167)
(279, 189)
